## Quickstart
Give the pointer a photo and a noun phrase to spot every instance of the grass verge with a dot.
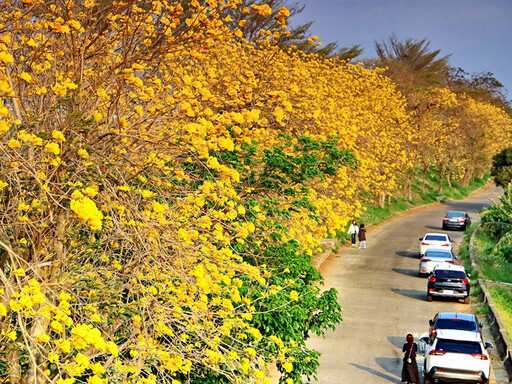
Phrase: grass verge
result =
(502, 298)
(497, 271)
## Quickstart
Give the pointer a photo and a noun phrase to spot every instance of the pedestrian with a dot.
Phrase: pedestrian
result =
(353, 230)
(410, 374)
(362, 236)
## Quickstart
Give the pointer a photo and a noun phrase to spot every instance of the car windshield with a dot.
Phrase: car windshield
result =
(455, 214)
(458, 346)
(438, 255)
(435, 238)
(447, 274)
(459, 324)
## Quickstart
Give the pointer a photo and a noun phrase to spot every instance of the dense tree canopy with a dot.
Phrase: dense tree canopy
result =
(502, 167)
(165, 180)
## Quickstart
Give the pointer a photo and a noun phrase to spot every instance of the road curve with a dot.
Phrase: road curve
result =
(383, 298)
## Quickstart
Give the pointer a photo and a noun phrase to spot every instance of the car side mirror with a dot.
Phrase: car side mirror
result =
(421, 238)
(469, 275)
(488, 344)
(480, 325)
(430, 322)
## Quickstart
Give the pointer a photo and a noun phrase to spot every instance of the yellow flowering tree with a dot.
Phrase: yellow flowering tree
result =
(164, 183)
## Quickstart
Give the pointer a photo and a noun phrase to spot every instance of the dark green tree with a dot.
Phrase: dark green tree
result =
(481, 86)
(502, 167)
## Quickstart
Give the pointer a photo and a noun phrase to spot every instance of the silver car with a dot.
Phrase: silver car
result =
(434, 257)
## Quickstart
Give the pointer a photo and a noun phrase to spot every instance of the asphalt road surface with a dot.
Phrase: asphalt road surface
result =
(383, 298)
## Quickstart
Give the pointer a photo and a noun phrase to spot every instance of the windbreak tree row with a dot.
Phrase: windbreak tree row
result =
(164, 183)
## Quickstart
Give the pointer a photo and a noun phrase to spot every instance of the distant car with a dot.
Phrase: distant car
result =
(448, 281)
(432, 258)
(456, 220)
(456, 356)
(435, 240)
(454, 320)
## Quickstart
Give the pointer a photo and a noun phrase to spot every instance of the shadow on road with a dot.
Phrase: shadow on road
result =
(435, 227)
(412, 293)
(466, 206)
(392, 365)
(406, 272)
(412, 255)
(377, 373)
(397, 341)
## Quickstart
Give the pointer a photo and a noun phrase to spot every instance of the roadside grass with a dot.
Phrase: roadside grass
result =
(502, 297)
(482, 309)
(496, 270)
(491, 267)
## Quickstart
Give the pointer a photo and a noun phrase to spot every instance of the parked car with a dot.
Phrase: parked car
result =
(448, 281)
(454, 320)
(454, 355)
(435, 240)
(456, 220)
(434, 257)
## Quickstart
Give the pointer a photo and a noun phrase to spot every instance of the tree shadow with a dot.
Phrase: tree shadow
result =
(412, 293)
(374, 372)
(467, 206)
(412, 255)
(406, 272)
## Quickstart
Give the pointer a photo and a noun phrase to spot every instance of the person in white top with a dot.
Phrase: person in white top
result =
(353, 230)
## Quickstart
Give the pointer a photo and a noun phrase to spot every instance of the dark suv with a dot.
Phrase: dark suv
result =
(448, 281)
(455, 320)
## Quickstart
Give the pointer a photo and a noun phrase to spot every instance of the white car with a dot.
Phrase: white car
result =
(454, 355)
(435, 240)
(434, 257)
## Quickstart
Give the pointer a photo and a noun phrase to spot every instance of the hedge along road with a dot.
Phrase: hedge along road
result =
(383, 298)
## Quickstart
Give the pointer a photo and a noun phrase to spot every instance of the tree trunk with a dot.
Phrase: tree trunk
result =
(468, 176)
(448, 179)
(382, 200)
(424, 179)
(48, 274)
(441, 177)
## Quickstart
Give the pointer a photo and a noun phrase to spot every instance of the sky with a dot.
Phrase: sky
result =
(476, 33)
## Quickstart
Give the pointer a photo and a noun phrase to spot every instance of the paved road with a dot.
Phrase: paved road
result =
(383, 299)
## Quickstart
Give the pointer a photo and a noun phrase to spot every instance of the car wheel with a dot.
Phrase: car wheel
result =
(466, 300)
(444, 227)
(429, 297)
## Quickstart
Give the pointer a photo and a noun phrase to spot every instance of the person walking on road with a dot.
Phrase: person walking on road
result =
(410, 374)
(362, 236)
(353, 230)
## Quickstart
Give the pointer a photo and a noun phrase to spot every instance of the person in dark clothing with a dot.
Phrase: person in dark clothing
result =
(362, 236)
(410, 374)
